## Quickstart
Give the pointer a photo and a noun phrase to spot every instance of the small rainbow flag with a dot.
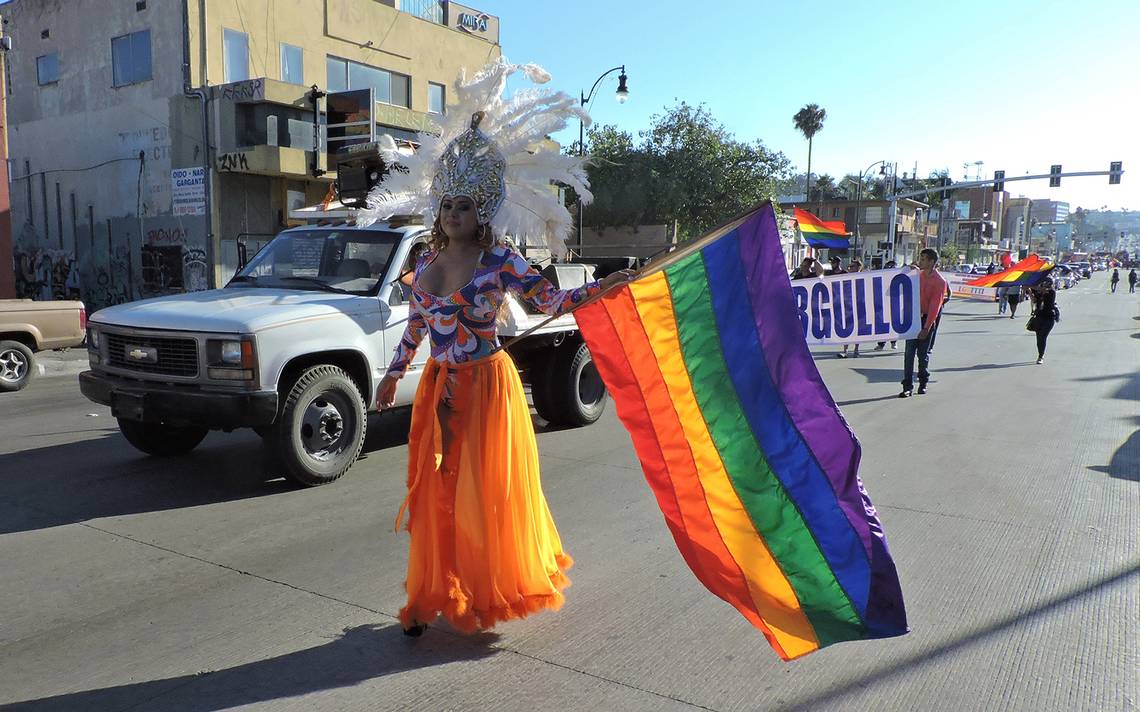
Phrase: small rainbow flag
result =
(819, 233)
(1025, 273)
(751, 462)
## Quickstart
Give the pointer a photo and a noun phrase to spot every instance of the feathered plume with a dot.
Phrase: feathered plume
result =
(531, 212)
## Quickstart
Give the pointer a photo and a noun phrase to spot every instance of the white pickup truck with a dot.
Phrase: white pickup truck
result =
(294, 347)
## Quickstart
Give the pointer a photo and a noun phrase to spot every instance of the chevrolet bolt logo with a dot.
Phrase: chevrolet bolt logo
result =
(142, 354)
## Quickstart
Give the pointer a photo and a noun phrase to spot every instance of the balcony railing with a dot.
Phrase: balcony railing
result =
(430, 10)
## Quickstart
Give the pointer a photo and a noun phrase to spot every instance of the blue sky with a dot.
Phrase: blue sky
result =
(1017, 84)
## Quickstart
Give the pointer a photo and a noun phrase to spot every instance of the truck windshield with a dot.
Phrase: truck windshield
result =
(349, 260)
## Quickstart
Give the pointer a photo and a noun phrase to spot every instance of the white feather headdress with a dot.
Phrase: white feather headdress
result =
(530, 210)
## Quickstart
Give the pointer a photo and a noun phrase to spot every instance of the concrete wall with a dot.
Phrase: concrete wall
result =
(364, 31)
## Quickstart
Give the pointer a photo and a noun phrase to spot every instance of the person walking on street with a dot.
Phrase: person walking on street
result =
(854, 266)
(1013, 297)
(1045, 314)
(1003, 305)
(1115, 279)
(931, 288)
(483, 546)
(1132, 281)
(934, 331)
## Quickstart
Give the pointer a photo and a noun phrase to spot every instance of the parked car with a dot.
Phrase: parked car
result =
(27, 327)
(966, 268)
(1084, 268)
(294, 346)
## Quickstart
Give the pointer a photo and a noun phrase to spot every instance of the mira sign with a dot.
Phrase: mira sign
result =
(470, 21)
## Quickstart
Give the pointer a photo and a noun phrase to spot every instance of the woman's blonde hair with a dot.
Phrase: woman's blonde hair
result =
(438, 240)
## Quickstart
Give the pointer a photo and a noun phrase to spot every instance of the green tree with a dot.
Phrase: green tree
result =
(687, 168)
(809, 122)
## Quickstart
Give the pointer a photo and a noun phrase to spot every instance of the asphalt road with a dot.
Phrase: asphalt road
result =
(1010, 495)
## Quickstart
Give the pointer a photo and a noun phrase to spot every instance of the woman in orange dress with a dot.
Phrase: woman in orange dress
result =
(484, 547)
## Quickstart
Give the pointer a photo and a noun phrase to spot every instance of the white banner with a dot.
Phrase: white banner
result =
(959, 288)
(881, 305)
(188, 191)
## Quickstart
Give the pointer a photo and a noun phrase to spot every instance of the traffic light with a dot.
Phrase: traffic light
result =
(359, 168)
(1114, 170)
(999, 181)
(1055, 176)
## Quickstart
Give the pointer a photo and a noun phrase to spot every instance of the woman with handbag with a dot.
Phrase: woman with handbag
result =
(1045, 314)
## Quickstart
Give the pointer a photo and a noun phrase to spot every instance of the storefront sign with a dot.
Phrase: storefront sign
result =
(188, 191)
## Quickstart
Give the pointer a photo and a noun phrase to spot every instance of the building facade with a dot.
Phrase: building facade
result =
(1049, 211)
(870, 235)
(117, 195)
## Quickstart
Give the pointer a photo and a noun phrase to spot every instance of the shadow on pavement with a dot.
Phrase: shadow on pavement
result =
(359, 654)
(102, 476)
(844, 404)
(930, 657)
(982, 367)
(880, 375)
(1125, 462)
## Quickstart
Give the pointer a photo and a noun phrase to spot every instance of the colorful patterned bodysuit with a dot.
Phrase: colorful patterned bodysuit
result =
(462, 324)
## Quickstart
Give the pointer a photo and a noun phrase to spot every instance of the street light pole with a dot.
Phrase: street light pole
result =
(621, 95)
(859, 199)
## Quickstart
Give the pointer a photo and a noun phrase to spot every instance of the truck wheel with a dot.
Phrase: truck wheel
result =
(577, 395)
(161, 440)
(321, 428)
(17, 363)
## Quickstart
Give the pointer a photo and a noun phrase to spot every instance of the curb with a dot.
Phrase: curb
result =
(53, 368)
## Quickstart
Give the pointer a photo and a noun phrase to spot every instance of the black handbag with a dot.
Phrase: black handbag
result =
(1031, 325)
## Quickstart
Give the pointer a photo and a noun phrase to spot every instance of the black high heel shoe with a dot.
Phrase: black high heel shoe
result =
(416, 630)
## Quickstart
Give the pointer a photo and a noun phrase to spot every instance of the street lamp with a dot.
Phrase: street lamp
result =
(621, 95)
(859, 197)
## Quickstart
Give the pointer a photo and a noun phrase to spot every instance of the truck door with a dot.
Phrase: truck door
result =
(396, 319)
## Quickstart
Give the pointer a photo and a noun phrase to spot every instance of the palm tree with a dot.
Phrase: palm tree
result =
(809, 121)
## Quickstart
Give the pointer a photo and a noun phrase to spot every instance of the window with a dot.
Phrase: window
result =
(835, 212)
(292, 59)
(235, 55)
(130, 58)
(435, 98)
(389, 87)
(336, 74)
(47, 68)
(873, 215)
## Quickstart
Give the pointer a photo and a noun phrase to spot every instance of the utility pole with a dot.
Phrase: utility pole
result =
(7, 256)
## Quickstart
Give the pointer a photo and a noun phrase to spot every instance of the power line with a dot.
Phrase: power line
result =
(79, 170)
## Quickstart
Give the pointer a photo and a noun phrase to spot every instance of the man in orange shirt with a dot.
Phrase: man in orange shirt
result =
(931, 289)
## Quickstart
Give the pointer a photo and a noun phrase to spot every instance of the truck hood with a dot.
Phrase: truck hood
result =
(240, 310)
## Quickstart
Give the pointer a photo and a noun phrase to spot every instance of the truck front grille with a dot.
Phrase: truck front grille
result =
(153, 354)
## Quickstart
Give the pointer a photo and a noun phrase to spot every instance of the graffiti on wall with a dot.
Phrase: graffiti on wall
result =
(194, 270)
(249, 90)
(233, 162)
(110, 264)
(46, 274)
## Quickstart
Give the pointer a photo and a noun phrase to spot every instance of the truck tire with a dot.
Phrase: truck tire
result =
(17, 364)
(570, 392)
(321, 427)
(159, 439)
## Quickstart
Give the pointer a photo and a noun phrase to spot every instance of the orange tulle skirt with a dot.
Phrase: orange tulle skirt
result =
(484, 547)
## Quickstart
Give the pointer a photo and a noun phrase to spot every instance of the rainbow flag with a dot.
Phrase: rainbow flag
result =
(819, 233)
(751, 462)
(1025, 273)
